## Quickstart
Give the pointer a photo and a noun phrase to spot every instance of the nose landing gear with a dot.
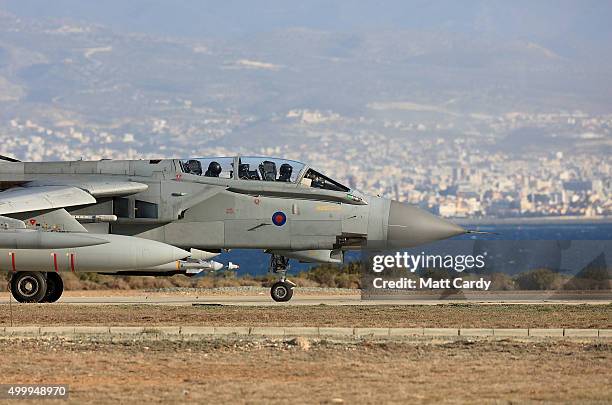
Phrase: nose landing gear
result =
(282, 290)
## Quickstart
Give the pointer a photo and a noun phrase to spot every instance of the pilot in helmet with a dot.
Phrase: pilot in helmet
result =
(285, 172)
(193, 166)
(214, 170)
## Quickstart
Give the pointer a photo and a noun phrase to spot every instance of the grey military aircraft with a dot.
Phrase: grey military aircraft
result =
(164, 217)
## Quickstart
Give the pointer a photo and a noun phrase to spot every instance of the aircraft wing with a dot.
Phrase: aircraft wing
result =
(26, 199)
(98, 188)
(37, 196)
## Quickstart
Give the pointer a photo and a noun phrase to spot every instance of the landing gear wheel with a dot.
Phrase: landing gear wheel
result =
(55, 288)
(281, 291)
(28, 286)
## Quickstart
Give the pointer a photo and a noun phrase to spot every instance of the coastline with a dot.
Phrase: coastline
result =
(566, 220)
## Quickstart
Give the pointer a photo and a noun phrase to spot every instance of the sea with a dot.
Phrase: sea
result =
(256, 262)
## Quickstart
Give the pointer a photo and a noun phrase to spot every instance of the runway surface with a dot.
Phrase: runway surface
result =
(263, 299)
(245, 300)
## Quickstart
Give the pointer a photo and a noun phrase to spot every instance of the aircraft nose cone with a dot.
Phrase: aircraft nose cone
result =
(412, 226)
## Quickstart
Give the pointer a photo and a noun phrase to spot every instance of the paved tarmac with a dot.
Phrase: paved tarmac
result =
(172, 299)
(265, 300)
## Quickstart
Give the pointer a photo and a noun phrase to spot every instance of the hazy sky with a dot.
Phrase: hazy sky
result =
(540, 19)
(542, 53)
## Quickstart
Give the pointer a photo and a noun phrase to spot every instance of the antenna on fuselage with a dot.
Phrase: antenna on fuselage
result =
(481, 232)
(9, 159)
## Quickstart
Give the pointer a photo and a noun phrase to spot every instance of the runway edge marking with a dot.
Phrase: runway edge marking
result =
(313, 331)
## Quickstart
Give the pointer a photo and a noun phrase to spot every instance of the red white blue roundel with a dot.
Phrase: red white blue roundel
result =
(279, 218)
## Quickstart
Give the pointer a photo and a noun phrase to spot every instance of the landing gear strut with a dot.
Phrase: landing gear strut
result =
(282, 290)
(35, 286)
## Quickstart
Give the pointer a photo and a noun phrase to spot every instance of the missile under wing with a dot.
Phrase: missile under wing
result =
(51, 240)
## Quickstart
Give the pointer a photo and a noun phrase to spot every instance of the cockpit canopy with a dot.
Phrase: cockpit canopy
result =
(269, 169)
(221, 167)
(318, 180)
(260, 169)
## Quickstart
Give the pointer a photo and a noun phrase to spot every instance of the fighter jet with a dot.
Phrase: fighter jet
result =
(164, 217)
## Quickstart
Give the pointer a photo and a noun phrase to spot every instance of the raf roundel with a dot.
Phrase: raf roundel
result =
(279, 218)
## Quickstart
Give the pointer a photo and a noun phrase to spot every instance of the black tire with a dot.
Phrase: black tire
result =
(28, 286)
(55, 287)
(281, 291)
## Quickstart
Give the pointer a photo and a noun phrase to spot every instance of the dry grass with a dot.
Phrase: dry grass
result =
(282, 371)
(443, 315)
